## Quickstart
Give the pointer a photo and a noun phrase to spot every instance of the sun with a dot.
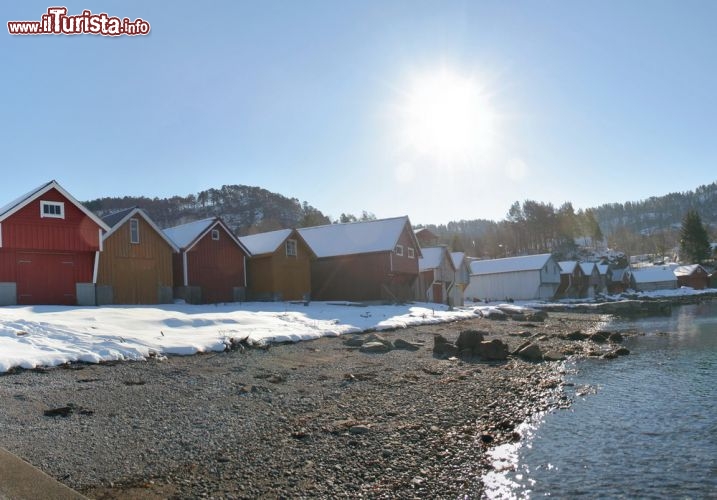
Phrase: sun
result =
(447, 116)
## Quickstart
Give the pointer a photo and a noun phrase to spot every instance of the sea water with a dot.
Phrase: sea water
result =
(640, 426)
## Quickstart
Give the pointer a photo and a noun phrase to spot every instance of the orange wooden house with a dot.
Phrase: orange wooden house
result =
(211, 263)
(279, 267)
(136, 264)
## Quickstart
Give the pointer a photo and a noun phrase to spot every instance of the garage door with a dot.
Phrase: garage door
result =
(46, 278)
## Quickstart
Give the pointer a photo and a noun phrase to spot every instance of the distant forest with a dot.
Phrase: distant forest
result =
(647, 226)
(245, 209)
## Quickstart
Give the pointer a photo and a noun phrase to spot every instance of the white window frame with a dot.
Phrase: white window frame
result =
(134, 231)
(291, 248)
(215, 234)
(60, 205)
(411, 253)
(399, 250)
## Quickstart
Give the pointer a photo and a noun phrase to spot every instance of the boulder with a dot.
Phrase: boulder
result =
(468, 340)
(375, 347)
(553, 356)
(615, 337)
(622, 351)
(493, 350)
(600, 337)
(374, 337)
(576, 335)
(536, 315)
(531, 352)
(354, 341)
(442, 347)
(405, 344)
(494, 314)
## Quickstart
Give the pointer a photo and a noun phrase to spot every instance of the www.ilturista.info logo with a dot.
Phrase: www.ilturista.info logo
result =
(57, 22)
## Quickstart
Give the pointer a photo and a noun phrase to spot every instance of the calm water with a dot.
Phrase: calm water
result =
(646, 429)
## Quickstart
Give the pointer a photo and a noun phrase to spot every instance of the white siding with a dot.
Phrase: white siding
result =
(521, 285)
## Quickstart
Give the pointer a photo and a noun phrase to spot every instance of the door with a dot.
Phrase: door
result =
(46, 278)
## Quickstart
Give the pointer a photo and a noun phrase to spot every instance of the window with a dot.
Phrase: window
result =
(399, 250)
(134, 231)
(291, 248)
(411, 253)
(54, 209)
(215, 234)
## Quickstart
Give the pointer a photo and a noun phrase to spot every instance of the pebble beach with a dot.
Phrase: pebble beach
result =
(312, 419)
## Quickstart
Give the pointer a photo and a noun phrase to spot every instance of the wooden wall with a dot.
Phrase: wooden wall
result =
(136, 271)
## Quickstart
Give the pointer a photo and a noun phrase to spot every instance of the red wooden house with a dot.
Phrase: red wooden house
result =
(693, 276)
(49, 249)
(364, 261)
(211, 264)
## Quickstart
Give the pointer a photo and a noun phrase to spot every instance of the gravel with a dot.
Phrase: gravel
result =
(315, 419)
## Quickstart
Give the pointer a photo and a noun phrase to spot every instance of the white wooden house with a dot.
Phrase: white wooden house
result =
(461, 278)
(651, 278)
(518, 278)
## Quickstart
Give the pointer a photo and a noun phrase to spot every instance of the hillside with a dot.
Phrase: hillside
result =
(658, 212)
(246, 209)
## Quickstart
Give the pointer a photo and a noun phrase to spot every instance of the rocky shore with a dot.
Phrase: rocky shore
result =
(331, 418)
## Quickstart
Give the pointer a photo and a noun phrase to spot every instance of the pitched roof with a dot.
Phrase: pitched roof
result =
(567, 266)
(117, 219)
(602, 268)
(262, 243)
(432, 257)
(458, 258)
(510, 264)
(357, 237)
(185, 236)
(654, 274)
(19, 203)
(587, 267)
(687, 270)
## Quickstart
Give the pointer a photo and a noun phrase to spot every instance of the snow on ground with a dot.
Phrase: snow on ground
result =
(53, 335)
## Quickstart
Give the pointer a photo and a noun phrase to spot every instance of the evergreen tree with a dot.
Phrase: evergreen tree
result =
(694, 244)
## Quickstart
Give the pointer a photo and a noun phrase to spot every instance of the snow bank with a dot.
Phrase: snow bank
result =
(53, 335)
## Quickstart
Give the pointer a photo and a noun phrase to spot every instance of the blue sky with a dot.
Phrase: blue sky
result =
(589, 102)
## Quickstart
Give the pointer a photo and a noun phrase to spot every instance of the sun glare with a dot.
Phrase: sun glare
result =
(447, 116)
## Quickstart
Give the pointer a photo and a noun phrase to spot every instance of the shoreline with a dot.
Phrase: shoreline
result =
(308, 419)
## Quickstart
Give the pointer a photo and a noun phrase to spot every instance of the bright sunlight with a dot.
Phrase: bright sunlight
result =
(447, 116)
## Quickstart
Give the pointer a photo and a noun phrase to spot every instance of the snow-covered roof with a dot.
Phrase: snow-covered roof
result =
(18, 203)
(356, 237)
(118, 219)
(510, 264)
(617, 274)
(432, 257)
(587, 267)
(687, 270)
(567, 266)
(187, 235)
(262, 243)
(654, 274)
(457, 258)
(602, 269)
